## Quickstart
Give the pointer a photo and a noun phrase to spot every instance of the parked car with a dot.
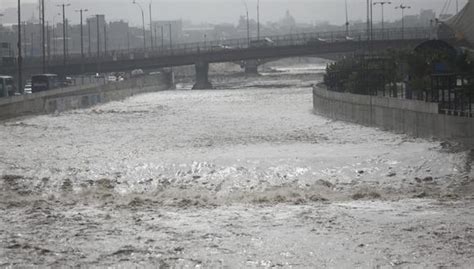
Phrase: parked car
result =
(44, 82)
(137, 73)
(7, 86)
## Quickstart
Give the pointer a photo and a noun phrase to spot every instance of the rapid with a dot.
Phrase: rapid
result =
(242, 176)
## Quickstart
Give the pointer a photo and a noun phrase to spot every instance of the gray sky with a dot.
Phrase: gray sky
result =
(216, 11)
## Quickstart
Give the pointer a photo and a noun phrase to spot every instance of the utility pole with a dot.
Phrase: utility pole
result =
(402, 8)
(151, 29)
(156, 37)
(128, 41)
(258, 19)
(64, 34)
(20, 59)
(81, 11)
(43, 35)
(382, 3)
(171, 36)
(105, 39)
(368, 21)
(248, 22)
(143, 24)
(162, 37)
(371, 21)
(89, 38)
(98, 43)
(98, 36)
(347, 21)
(48, 41)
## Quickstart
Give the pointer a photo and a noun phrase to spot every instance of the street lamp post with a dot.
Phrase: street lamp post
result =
(81, 11)
(382, 4)
(371, 21)
(143, 24)
(43, 35)
(89, 38)
(156, 37)
(105, 39)
(98, 35)
(171, 36)
(368, 21)
(347, 20)
(258, 19)
(20, 59)
(64, 34)
(402, 7)
(162, 37)
(248, 22)
(151, 29)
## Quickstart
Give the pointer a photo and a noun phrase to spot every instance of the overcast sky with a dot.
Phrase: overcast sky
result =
(216, 11)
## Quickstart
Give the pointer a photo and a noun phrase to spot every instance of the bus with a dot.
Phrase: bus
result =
(44, 82)
(7, 86)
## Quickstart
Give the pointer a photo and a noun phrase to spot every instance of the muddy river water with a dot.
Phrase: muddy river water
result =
(244, 176)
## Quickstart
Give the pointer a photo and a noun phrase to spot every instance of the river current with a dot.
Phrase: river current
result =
(245, 175)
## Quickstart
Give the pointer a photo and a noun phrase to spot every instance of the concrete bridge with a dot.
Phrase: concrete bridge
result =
(202, 54)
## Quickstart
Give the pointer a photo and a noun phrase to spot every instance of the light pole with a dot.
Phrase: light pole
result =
(347, 21)
(402, 7)
(371, 21)
(368, 21)
(151, 28)
(248, 22)
(382, 3)
(171, 36)
(143, 24)
(43, 35)
(258, 19)
(20, 59)
(81, 11)
(64, 34)
(162, 37)
(98, 35)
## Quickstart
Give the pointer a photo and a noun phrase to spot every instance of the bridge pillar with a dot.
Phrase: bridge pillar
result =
(202, 76)
(251, 67)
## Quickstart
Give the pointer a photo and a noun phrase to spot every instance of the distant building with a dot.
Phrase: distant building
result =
(119, 35)
(176, 27)
(95, 34)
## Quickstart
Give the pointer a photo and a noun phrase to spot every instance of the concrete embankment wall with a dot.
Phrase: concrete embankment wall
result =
(79, 97)
(412, 117)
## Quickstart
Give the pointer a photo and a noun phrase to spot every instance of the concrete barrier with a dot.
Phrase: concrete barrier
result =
(59, 100)
(417, 118)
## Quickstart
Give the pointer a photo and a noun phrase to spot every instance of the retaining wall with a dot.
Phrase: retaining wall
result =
(417, 118)
(79, 97)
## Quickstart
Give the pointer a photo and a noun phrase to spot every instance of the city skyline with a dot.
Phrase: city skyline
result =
(229, 11)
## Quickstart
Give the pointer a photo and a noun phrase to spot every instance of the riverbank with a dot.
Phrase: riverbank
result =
(416, 118)
(77, 97)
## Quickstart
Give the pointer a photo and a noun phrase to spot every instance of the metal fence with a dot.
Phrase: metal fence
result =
(297, 39)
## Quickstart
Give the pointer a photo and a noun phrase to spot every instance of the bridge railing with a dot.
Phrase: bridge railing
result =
(295, 39)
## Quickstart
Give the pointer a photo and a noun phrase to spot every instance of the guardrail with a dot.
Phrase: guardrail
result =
(297, 39)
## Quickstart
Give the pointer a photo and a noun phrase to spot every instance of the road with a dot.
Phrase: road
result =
(241, 176)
